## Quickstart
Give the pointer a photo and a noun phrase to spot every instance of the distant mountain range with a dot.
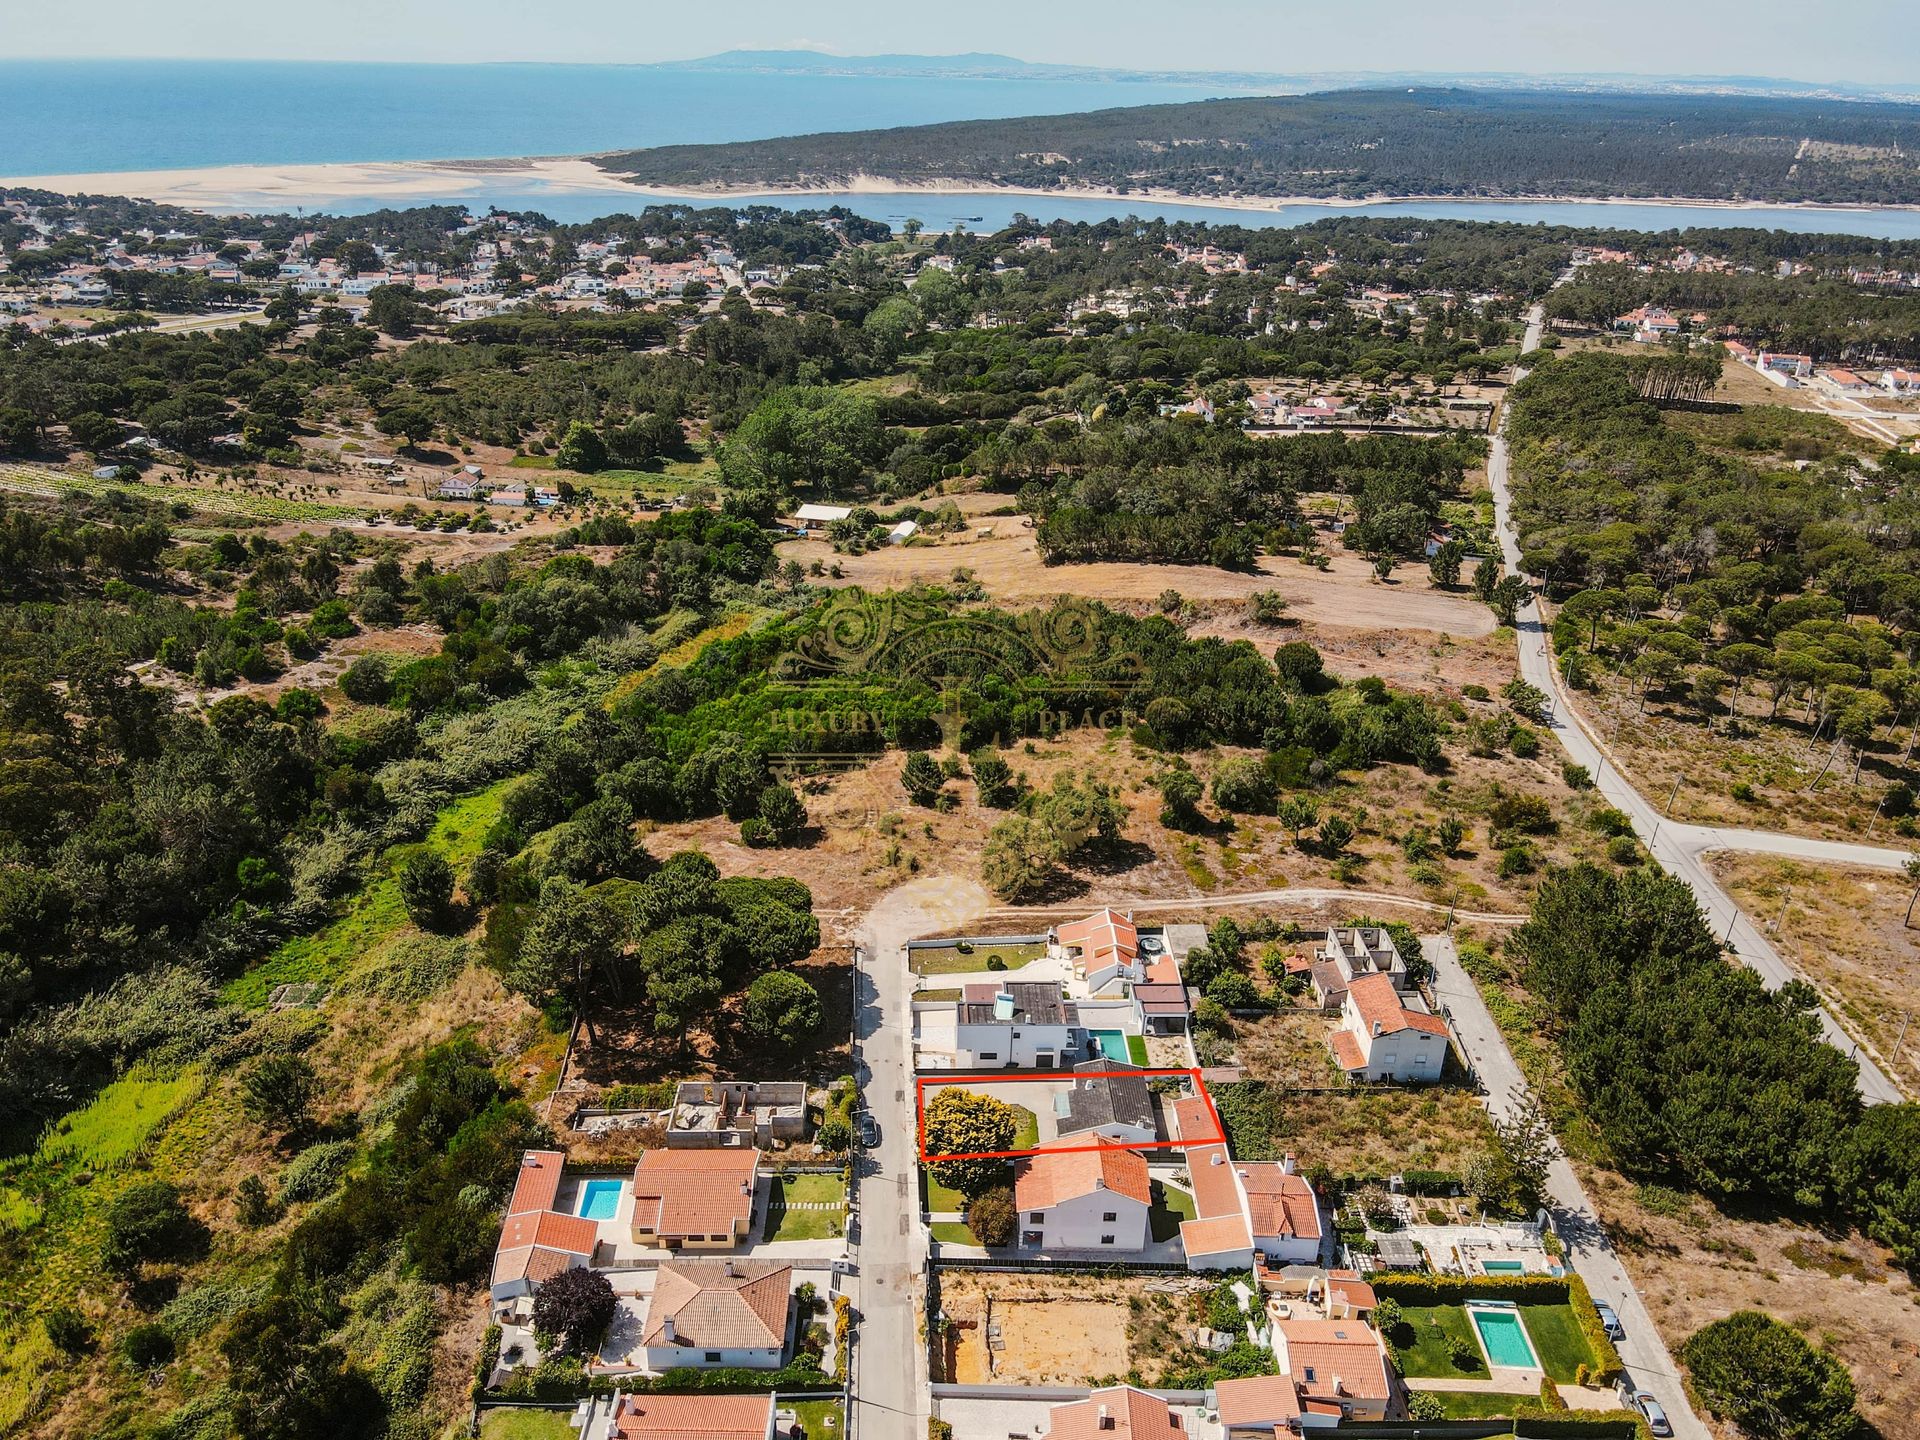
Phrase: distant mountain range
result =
(983, 65)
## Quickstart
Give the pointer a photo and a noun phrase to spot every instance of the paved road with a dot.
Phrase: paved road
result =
(1682, 849)
(1298, 895)
(1648, 1360)
(891, 1398)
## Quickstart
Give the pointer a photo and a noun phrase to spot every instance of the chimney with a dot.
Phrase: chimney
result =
(1289, 1165)
(1336, 1386)
(1099, 1182)
(1378, 1027)
(1217, 1158)
(1106, 1420)
(729, 1269)
(666, 1327)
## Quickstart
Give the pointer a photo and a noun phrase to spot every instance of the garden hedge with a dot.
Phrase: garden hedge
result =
(1422, 1289)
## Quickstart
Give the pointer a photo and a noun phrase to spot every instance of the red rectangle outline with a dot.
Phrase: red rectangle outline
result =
(1002, 1077)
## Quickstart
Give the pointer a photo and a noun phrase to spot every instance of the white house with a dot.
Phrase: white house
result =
(456, 487)
(537, 1242)
(818, 517)
(1082, 1200)
(903, 532)
(708, 1313)
(1119, 1412)
(1382, 1037)
(1024, 1024)
(1900, 382)
(1283, 1212)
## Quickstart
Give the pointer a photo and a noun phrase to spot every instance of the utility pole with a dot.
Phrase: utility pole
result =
(1781, 918)
(1905, 1021)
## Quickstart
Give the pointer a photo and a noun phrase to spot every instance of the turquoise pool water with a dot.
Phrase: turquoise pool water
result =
(600, 1199)
(1504, 1337)
(1112, 1043)
(1504, 1267)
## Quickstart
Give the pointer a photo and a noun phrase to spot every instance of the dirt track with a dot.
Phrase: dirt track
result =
(1008, 564)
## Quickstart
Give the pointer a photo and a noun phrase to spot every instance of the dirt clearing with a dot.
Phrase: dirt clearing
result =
(1007, 562)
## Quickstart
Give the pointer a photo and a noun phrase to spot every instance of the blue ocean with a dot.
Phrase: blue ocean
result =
(72, 117)
(62, 117)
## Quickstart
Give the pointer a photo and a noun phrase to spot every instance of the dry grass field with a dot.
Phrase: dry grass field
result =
(1846, 930)
(1068, 1329)
(1008, 564)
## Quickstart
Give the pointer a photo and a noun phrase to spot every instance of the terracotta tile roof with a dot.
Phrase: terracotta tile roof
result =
(1215, 1235)
(572, 1233)
(1348, 1286)
(1346, 1050)
(1210, 1171)
(709, 1417)
(1378, 1003)
(1343, 1350)
(530, 1262)
(1103, 937)
(1278, 1203)
(1192, 1120)
(712, 1309)
(1259, 1400)
(537, 1182)
(1158, 997)
(694, 1192)
(1130, 1415)
(1042, 1180)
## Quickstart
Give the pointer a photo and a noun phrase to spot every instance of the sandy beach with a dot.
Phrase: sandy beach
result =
(228, 188)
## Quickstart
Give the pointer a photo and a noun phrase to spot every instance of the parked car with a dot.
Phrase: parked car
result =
(1657, 1420)
(869, 1132)
(1609, 1321)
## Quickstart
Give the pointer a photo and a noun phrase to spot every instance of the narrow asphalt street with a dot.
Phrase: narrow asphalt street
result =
(891, 1397)
(1681, 849)
(1648, 1360)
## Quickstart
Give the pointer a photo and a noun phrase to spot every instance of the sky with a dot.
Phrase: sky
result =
(1873, 42)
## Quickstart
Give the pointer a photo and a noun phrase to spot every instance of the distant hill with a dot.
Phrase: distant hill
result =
(984, 65)
(1366, 143)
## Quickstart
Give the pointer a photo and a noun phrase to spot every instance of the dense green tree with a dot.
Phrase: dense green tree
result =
(964, 1122)
(783, 1010)
(1769, 1381)
(280, 1091)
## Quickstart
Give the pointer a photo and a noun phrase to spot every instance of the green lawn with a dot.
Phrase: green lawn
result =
(942, 1200)
(1484, 1405)
(1171, 1205)
(821, 1419)
(1434, 1328)
(1028, 1134)
(951, 960)
(952, 1232)
(790, 1215)
(513, 1424)
(1557, 1340)
(1137, 1049)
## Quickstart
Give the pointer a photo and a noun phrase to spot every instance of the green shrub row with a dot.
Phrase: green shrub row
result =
(1584, 1425)
(1412, 1289)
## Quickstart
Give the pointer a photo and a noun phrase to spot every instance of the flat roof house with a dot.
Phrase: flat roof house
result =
(1350, 951)
(692, 1417)
(1082, 1199)
(1381, 1037)
(712, 1113)
(730, 1313)
(694, 1199)
(1119, 1412)
(1024, 1023)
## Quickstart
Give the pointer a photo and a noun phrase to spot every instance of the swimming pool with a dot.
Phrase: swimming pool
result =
(1113, 1044)
(1504, 1267)
(600, 1199)
(1503, 1336)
